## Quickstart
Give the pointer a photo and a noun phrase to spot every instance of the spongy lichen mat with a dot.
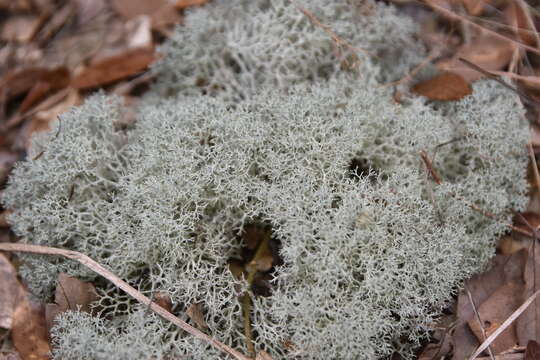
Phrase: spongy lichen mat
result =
(367, 257)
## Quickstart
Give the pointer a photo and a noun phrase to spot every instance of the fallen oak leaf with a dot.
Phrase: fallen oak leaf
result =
(11, 292)
(519, 17)
(493, 311)
(532, 351)
(71, 294)
(164, 300)
(444, 87)
(504, 325)
(29, 332)
(486, 51)
(52, 80)
(195, 314)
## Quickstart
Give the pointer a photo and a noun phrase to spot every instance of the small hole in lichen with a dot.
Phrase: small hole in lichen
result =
(258, 257)
(361, 167)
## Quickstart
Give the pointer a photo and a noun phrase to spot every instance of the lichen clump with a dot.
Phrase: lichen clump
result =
(233, 49)
(371, 248)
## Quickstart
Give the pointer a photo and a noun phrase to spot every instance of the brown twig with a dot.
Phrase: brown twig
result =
(497, 79)
(429, 167)
(339, 41)
(456, 16)
(97, 268)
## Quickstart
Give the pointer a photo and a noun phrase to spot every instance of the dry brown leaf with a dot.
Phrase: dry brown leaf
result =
(20, 28)
(518, 16)
(18, 82)
(88, 10)
(526, 219)
(71, 294)
(445, 87)
(493, 312)
(528, 325)
(29, 332)
(114, 68)
(486, 51)
(56, 22)
(47, 82)
(511, 244)
(182, 4)
(11, 292)
(195, 314)
(42, 119)
(503, 269)
(533, 351)
(74, 294)
(163, 299)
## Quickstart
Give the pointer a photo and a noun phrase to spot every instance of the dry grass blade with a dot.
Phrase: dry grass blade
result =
(469, 295)
(504, 325)
(455, 16)
(97, 268)
(496, 78)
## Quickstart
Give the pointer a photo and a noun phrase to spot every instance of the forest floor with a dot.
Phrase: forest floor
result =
(54, 53)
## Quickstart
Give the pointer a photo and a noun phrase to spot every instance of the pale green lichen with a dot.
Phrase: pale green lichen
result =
(231, 49)
(367, 257)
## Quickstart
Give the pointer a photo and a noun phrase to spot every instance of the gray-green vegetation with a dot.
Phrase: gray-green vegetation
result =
(371, 247)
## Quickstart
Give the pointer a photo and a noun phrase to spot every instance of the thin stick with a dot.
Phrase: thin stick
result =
(429, 167)
(336, 38)
(97, 268)
(469, 295)
(504, 325)
(456, 16)
(497, 79)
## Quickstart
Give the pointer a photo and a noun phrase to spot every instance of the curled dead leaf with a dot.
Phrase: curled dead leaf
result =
(71, 294)
(195, 314)
(29, 332)
(493, 312)
(532, 351)
(444, 87)
(11, 292)
(486, 51)
(518, 16)
(49, 81)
